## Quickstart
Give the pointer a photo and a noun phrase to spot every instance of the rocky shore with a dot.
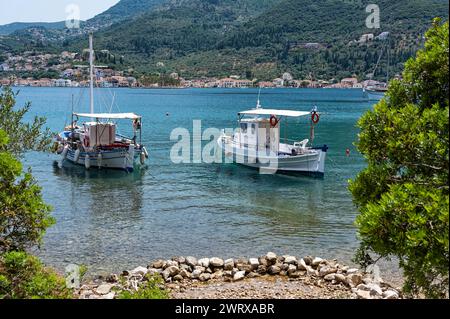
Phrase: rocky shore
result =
(266, 277)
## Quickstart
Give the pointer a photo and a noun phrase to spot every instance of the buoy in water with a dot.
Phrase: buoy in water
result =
(142, 158)
(347, 152)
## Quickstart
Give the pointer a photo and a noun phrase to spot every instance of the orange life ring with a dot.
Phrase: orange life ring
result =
(86, 141)
(315, 117)
(273, 121)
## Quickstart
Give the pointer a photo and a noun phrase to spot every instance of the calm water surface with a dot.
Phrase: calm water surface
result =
(114, 221)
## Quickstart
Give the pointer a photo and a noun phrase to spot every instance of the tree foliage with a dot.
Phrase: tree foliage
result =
(403, 194)
(22, 136)
(24, 277)
(24, 216)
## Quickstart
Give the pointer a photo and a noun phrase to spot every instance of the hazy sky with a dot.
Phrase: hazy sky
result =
(49, 10)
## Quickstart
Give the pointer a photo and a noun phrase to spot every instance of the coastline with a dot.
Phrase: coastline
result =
(265, 277)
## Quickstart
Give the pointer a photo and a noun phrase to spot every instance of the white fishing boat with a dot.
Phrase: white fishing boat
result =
(257, 143)
(375, 93)
(96, 143)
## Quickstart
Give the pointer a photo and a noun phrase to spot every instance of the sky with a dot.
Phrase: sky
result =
(49, 10)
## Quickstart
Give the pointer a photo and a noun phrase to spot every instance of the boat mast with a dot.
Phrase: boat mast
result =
(91, 71)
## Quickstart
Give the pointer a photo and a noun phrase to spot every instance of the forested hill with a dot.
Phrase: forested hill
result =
(124, 9)
(12, 27)
(256, 38)
(265, 38)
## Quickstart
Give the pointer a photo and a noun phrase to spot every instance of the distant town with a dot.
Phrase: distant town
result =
(68, 70)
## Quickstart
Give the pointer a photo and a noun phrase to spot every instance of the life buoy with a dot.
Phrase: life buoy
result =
(137, 124)
(86, 141)
(273, 121)
(315, 117)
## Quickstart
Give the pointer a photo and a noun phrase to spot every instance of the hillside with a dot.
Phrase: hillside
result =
(264, 38)
(123, 10)
(16, 26)
(252, 38)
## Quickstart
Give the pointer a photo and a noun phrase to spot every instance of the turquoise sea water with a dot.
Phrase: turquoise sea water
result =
(114, 221)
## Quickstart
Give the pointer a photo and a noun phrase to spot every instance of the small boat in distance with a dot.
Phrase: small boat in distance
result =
(375, 92)
(257, 144)
(96, 143)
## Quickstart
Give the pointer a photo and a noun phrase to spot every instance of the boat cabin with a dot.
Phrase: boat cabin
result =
(262, 131)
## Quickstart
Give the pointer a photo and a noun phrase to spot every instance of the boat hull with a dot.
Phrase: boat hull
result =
(115, 159)
(312, 164)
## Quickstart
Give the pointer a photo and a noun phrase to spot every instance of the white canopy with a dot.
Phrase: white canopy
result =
(115, 116)
(275, 112)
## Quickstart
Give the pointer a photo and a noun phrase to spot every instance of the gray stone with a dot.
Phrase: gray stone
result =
(185, 274)
(261, 270)
(170, 263)
(217, 274)
(154, 271)
(274, 270)
(103, 289)
(263, 261)
(271, 257)
(196, 274)
(329, 277)
(253, 275)
(158, 264)
(244, 267)
(254, 263)
(178, 278)
(204, 277)
(390, 294)
(201, 268)
(186, 267)
(239, 275)
(242, 261)
(139, 271)
(308, 260)
(354, 279)
(209, 270)
(204, 262)
(326, 270)
(362, 287)
(283, 273)
(179, 260)
(339, 278)
(311, 272)
(228, 264)
(295, 274)
(375, 290)
(170, 272)
(216, 262)
(284, 267)
(302, 265)
(363, 294)
(291, 269)
(352, 271)
(316, 261)
(291, 260)
(191, 261)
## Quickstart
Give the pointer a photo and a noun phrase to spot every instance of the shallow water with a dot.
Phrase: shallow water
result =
(112, 221)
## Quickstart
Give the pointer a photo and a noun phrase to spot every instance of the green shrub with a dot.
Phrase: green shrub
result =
(403, 194)
(151, 288)
(23, 276)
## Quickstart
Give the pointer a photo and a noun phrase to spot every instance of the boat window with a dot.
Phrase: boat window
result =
(244, 127)
(253, 129)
